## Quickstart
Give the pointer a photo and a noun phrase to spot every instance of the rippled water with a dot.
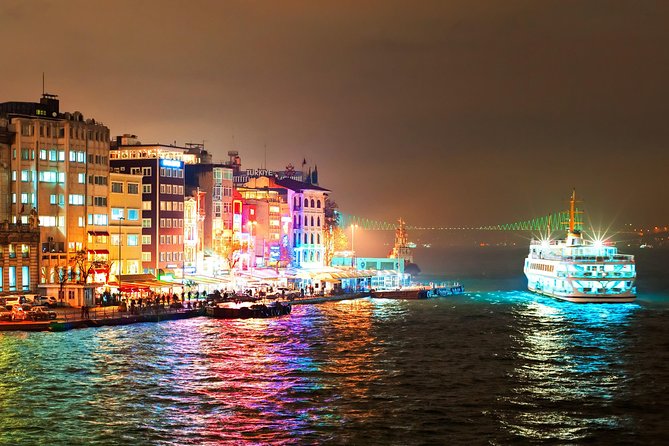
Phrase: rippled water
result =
(491, 367)
(497, 367)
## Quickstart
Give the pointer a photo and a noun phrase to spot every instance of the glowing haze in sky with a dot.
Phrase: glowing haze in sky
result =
(443, 112)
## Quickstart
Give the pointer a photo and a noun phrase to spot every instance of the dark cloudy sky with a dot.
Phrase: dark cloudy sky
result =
(445, 112)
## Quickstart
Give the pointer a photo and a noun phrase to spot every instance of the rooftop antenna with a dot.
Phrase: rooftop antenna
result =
(43, 83)
(265, 156)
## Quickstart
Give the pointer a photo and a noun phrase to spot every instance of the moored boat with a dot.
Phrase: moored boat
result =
(420, 292)
(230, 310)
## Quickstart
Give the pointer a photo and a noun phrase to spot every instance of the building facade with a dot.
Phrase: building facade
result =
(163, 192)
(125, 223)
(56, 166)
(268, 221)
(308, 219)
(213, 184)
(19, 249)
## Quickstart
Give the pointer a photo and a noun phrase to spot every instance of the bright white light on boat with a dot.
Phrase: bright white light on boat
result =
(598, 243)
(545, 242)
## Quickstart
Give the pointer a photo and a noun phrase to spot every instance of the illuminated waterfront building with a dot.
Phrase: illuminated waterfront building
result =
(163, 191)
(55, 166)
(125, 223)
(19, 248)
(268, 221)
(194, 216)
(307, 206)
(296, 217)
(213, 183)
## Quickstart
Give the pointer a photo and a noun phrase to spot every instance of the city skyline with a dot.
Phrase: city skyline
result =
(441, 114)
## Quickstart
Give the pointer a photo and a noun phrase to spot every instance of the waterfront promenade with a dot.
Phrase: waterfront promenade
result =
(69, 318)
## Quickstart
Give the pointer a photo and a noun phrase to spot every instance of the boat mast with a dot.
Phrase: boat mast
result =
(572, 211)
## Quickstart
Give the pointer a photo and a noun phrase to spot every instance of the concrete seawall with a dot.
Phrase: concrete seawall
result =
(117, 318)
(323, 299)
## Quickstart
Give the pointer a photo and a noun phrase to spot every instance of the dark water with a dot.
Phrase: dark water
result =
(498, 366)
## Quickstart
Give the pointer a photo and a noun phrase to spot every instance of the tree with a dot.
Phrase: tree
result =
(85, 267)
(230, 252)
(334, 238)
(62, 276)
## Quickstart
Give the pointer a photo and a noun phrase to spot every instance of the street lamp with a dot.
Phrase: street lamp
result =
(120, 220)
(252, 226)
(353, 228)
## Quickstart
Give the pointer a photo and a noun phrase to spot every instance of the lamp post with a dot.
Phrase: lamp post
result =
(120, 220)
(353, 228)
(252, 238)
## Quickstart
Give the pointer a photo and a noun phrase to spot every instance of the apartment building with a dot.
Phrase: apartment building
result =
(55, 166)
(163, 192)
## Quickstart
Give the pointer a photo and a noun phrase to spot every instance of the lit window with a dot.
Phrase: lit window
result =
(117, 213)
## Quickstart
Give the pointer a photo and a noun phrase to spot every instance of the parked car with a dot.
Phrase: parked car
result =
(41, 314)
(15, 300)
(287, 293)
(40, 300)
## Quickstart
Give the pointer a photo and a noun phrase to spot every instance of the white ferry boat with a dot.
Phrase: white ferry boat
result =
(577, 270)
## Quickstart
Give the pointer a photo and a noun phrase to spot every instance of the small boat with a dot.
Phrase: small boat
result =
(421, 292)
(230, 310)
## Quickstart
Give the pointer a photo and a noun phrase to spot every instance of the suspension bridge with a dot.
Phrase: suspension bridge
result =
(557, 220)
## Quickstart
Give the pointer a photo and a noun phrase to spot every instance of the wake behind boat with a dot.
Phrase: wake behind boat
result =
(577, 270)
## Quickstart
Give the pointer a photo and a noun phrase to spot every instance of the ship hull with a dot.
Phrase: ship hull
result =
(581, 289)
(592, 298)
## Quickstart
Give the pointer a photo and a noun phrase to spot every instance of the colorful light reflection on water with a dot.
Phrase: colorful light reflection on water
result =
(495, 367)
(569, 355)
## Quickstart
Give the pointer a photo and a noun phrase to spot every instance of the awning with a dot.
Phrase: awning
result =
(103, 270)
(266, 273)
(98, 251)
(142, 281)
(346, 274)
(99, 233)
(204, 280)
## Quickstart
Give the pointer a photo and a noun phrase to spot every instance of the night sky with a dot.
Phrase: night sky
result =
(444, 112)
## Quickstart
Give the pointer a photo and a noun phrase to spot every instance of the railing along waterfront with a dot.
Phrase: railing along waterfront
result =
(112, 312)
